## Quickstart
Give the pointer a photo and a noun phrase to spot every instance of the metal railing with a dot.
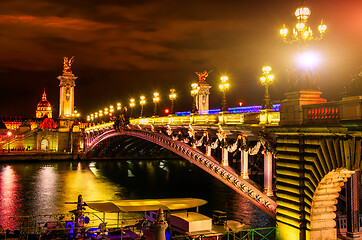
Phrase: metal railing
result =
(267, 233)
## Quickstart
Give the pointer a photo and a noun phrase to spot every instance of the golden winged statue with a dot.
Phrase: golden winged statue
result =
(67, 63)
(202, 76)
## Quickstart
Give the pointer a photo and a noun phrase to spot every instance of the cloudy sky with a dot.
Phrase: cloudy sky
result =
(125, 48)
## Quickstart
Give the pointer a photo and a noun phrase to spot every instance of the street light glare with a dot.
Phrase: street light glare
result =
(308, 59)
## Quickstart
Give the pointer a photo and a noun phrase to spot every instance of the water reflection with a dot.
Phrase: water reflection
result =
(9, 196)
(38, 188)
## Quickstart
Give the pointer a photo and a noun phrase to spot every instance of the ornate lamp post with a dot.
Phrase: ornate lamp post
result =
(172, 97)
(305, 79)
(224, 87)
(9, 135)
(302, 32)
(266, 79)
(111, 110)
(156, 99)
(195, 90)
(132, 103)
(142, 102)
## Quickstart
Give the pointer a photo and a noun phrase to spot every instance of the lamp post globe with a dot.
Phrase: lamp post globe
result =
(132, 104)
(224, 87)
(142, 102)
(9, 136)
(156, 100)
(266, 79)
(172, 97)
(195, 90)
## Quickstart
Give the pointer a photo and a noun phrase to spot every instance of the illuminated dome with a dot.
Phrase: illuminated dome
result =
(44, 108)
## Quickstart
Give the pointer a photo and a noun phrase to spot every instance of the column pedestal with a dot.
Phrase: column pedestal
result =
(244, 168)
(268, 173)
(224, 157)
(208, 150)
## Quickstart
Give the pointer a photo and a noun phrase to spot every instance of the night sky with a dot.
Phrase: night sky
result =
(126, 48)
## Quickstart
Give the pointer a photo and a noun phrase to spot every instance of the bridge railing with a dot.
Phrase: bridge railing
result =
(272, 118)
(325, 113)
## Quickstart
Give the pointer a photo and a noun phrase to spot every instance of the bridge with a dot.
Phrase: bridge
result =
(308, 153)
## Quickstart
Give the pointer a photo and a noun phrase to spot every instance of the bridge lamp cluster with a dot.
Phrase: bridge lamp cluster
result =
(156, 100)
(119, 106)
(172, 96)
(75, 114)
(267, 79)
(195, 88)
(142, 103)
(132, 104)
(302, 32)
(224, 87)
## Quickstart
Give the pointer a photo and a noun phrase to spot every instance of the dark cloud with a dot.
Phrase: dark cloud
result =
(127, 48)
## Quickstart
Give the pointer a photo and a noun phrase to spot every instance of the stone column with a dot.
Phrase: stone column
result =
(224, 157)
(160, 226)
(268, 173)
(208, 150)
(353, 187)
(244, 161)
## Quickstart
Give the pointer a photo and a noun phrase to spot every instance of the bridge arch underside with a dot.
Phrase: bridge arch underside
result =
(139, 139)
(124, 146)
(309, 166)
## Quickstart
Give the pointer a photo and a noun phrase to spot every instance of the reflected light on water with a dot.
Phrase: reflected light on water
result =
(84, 182)
(9, 195)
(46, 182)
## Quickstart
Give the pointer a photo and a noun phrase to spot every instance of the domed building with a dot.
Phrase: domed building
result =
(44, 108)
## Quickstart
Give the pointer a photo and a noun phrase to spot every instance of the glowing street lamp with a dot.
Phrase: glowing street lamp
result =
(156, 100)
(172, 97)
(132, 104)
(119, 106)
(142, 102)
(224, 87)
(9, 135)
(302, 32)
(266, 79)
(194, 92)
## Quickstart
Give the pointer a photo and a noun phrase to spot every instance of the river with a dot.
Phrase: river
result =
(39, 188)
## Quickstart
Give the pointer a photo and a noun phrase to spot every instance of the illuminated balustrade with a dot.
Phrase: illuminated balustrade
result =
(326, 112)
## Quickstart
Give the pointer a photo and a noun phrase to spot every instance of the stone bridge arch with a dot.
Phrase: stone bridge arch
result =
(227, 175)
(311, 162)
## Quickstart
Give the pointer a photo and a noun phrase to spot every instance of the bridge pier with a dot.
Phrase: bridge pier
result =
(224, 157)
(244, 162)
(268, 173)
(353, 187)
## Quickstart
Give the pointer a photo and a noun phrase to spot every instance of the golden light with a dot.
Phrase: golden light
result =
(266, 69)
(156, 97)
(195, 89)
(119, 105)
(9, 133)
(111, 109)
(263, 80)
(100, 113)
(302, 13)
(173, 94)
(266, 79)
(322, 28)
(302, 32)
(132, 102)
(96, 115)
(142, 100)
